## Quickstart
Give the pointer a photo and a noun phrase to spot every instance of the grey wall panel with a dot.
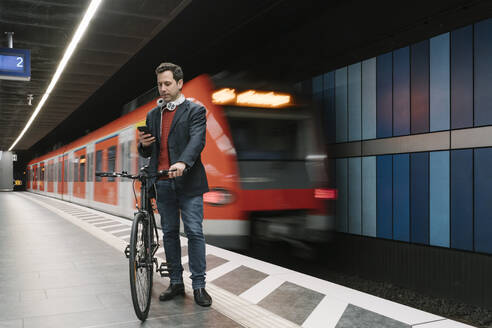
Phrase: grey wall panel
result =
(407, 144)
(342, 202)
(483, 73)
(439, 83)
(341, 104)
(369, 99)
(6, 171)
(471, 138)
(401, 92)
(355, 195)
(369, 196)
(354, 102)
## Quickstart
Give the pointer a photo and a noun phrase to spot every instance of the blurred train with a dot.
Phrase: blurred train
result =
(263, 157)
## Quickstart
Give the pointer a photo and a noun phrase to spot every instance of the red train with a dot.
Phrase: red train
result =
(263, 157)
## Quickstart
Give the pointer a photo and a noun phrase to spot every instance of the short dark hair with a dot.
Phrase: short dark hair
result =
(175, 69)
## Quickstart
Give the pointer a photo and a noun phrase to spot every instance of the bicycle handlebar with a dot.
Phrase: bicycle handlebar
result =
(125, 174)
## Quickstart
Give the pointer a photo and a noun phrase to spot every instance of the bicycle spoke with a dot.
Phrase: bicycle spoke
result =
(141, 272)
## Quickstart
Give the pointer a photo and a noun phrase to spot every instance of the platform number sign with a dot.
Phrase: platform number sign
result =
(15, 64)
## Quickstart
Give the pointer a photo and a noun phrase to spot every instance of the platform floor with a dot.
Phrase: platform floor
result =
(62, 265)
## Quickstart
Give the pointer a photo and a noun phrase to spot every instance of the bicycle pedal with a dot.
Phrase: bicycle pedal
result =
(163, 270)
(127, 251)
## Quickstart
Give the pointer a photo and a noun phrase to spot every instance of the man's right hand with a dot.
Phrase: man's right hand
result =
(145, 139)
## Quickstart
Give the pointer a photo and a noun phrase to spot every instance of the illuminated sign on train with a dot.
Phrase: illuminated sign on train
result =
(251, 98)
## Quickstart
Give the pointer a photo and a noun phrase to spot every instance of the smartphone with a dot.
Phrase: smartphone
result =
(144, 129)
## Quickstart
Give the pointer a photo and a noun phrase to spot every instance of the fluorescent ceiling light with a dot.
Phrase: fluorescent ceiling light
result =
(66, 57)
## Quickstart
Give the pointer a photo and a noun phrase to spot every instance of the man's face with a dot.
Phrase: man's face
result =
(169, 89)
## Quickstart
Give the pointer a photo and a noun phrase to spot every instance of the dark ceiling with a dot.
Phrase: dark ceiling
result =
(288, 40)
(117, 32)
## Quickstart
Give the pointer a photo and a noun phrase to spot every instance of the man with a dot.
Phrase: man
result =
(178, 136)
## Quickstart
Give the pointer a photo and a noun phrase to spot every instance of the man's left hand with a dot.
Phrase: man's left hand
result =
(179, 167)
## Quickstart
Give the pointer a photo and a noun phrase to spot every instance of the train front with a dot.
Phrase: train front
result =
(266, 165)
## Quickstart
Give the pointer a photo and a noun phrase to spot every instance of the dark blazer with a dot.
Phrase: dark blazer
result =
(185, 143)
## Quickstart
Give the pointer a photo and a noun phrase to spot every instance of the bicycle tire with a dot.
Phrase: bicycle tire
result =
(141, 267)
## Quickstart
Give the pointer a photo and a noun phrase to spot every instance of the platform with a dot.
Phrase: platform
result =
(62, 265)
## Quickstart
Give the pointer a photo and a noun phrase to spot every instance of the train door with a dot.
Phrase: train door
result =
(71, 159)
(41, 177)
(64, 184)
(50, 176)
(34, 177)
(79, 175)
(29, 177)
(89, 184)
(55, 176)
(106, 189)
(125, 193)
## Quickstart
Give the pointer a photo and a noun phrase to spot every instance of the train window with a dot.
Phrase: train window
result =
(111, 161)
(42, 173)
(90, 165)
(265, 139)
(65, 170)
(99, 162)
(128, 158)
(70, 170)
(75, 170)
(59, 171)
(123, 151)
(82, 168)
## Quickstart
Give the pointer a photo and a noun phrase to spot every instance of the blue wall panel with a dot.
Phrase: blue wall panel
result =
(317, 91)
(439, 198)
(384, 90)
(342, 201)
(401, 92)
(462, 78)
(355, 196)
(329, 106)
(419, 196)
(483, 200)
(341, 103)
(369, 99)
(317, 84)
(369, 196)
(462, 199)
(401, 197)
(420, 87)
(483, 72)
(439, 83)
(384, 185)
(354, 102)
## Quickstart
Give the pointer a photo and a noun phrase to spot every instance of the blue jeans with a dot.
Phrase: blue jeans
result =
(169, 205)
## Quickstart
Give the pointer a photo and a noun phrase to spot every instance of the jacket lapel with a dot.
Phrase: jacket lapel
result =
(179, 113)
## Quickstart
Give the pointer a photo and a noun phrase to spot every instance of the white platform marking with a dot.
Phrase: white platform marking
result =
(326, 314)
(262, 289)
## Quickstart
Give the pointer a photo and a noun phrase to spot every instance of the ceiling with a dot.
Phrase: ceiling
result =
(117, 32)
(287, 40)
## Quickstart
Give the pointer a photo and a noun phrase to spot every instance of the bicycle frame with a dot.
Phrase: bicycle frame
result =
(142, 259)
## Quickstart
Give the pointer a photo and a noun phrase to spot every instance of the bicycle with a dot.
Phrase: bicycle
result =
(144, 243)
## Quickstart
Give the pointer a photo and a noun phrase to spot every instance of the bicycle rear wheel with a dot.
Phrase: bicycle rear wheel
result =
(141, 267)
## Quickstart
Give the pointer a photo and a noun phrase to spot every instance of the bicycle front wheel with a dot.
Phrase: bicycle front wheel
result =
(141, 267)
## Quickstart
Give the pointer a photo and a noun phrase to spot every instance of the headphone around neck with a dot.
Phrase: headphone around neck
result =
(170, 106)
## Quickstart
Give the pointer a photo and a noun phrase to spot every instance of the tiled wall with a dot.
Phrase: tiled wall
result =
(440, 196)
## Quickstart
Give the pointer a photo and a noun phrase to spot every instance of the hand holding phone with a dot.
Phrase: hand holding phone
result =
(145, 137)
